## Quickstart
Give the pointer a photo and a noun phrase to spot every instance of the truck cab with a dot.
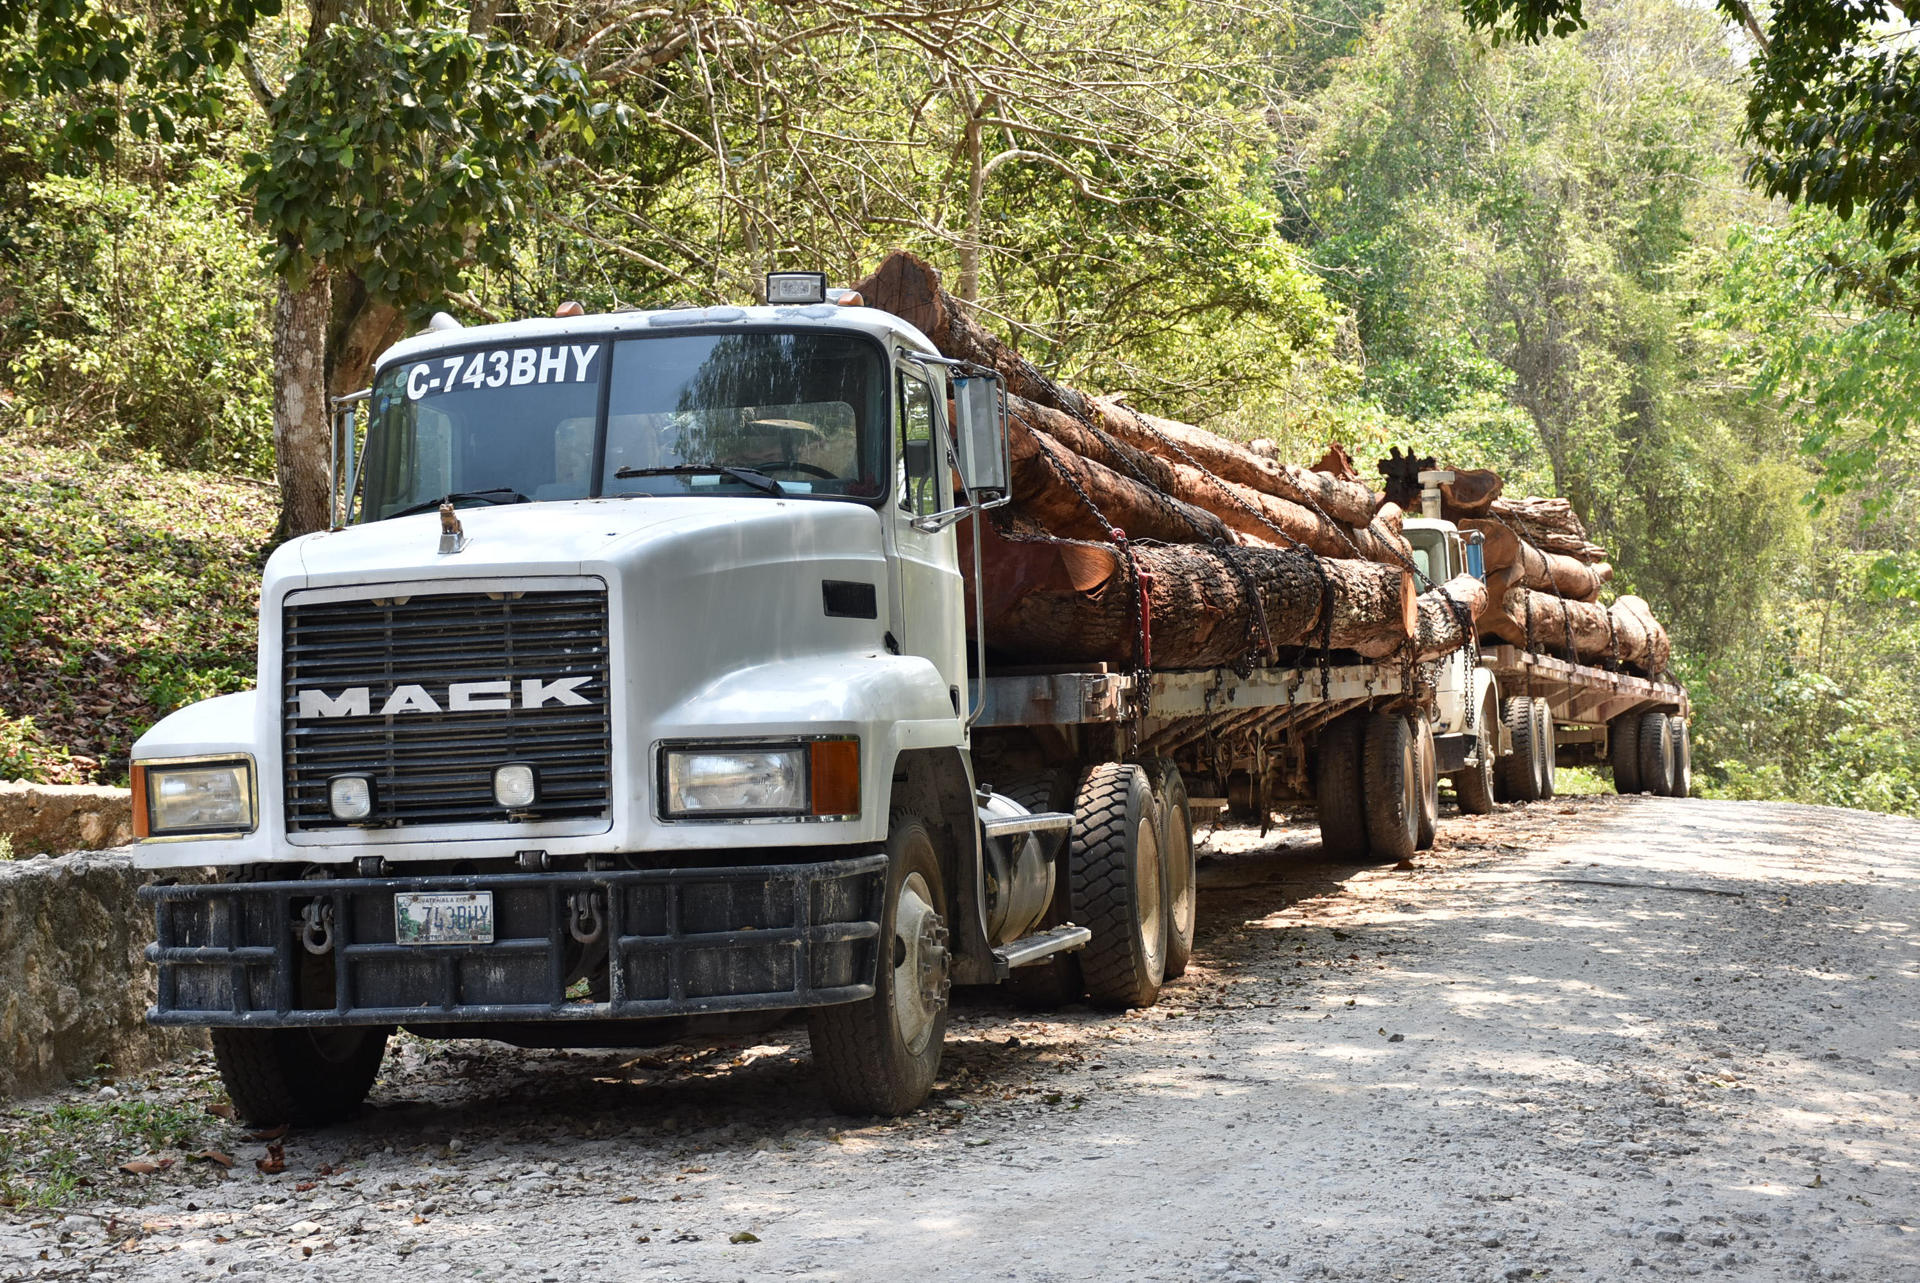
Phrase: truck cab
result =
(1466, 725)
(627, 698)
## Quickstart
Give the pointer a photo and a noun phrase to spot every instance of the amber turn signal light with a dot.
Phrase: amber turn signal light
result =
(834, 768)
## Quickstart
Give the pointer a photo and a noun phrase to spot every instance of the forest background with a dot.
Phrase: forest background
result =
(1352, 220)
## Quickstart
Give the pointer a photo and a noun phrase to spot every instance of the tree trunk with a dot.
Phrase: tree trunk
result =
(1050, 480)
(1626, 631)
(910, 289)
(1252, 514)
(1443, 612)
(1547, 571)
(359, 330)
(301, 433)
(1053, 601)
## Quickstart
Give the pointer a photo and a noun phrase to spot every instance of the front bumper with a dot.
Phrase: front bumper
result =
(671, 942)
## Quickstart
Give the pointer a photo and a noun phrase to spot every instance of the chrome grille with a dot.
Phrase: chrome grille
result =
(437, 767)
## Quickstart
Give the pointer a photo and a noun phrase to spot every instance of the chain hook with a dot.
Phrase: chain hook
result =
(585, 920)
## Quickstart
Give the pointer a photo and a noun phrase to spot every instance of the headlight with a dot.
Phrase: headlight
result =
(720, 781)
(174, 799)
(737, 781)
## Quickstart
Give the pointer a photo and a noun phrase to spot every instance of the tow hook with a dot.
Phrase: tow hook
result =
(586, 920)
(316, 927)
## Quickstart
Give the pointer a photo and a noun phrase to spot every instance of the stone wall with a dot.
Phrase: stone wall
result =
(74, 979)
(53, 818)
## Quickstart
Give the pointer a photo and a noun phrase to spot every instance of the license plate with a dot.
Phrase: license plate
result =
(443, 917)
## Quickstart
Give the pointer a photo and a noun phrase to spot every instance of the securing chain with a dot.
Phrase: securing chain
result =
(1142, 673)
(316, 927)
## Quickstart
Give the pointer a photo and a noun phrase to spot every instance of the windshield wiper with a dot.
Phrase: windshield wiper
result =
(481, 496)
(745, 476)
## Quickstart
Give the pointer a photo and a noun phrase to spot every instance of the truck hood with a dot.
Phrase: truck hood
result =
(558, 538)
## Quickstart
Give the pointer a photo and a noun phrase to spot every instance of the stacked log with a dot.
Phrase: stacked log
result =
(1239, 555)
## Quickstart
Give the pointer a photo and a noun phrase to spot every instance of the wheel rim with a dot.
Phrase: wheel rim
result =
(1149, 894)
(920, 969)
(1180, 871)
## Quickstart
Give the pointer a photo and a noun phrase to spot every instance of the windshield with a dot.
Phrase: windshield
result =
(805, 409)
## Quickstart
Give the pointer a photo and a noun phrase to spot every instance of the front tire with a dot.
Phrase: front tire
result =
(1475, 785)
(1117, 881)
(306, 1077)
(1520, 769)
(880, 1055)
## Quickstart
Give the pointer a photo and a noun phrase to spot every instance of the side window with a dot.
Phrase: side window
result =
(917, 471)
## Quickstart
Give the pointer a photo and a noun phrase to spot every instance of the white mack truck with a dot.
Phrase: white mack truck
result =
(630, 700)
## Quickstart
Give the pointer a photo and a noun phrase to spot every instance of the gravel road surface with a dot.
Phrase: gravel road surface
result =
(1593, 1038)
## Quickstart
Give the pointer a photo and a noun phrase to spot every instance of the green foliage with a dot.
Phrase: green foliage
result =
(405, 155)
(137, 314)
(131, 589)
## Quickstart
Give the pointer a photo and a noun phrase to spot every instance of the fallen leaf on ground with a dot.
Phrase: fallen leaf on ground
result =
(273, 1164)
(211, 1156)
(140, 1169)
(744, 1237)
(221, 1110)
(268, 1133)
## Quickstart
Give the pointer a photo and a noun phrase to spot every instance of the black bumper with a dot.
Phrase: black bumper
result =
(673, 942)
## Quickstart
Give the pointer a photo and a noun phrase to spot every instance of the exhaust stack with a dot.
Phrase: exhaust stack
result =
(1431, 479)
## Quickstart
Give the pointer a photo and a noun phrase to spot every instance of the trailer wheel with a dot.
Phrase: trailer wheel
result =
(879, 1056)
(1656, 754)
(1117, 879)
(306, 1077)
(1520, 770)
(1339, 794)
(1682, 759)
(1176, 845)
(1475, 785)
(1543, 738)
(1429, 786)
(1623, 752)
(1052, 984)
(1391, 773)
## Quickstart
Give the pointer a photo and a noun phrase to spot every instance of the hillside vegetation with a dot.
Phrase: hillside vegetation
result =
(1302, 221)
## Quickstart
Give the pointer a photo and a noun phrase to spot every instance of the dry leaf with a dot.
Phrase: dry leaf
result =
(140, 1169)
(744, 1237)
(268, 1133)
(274, 1163)
(212, 1156)
(221, 1110)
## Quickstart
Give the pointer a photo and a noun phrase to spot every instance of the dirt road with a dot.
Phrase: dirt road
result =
(1599, 1038)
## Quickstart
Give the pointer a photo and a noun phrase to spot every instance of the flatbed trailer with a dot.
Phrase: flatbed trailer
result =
(1599, 717)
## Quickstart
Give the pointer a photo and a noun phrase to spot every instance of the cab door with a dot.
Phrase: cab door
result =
(930, 620)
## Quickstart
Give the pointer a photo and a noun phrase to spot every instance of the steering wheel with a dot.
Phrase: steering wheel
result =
(810, 469)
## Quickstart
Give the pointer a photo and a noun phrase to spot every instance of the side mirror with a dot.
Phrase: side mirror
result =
(1476, 555)
(980, 430)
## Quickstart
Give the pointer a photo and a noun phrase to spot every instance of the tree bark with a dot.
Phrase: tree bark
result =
(1050, 479)
(1442, 612)
(1471, 490)
(1053, 601)
(910, 289)
(301, 433)
(1546, 571)
(360, 329)
(1626, 631)
(1244, 510)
